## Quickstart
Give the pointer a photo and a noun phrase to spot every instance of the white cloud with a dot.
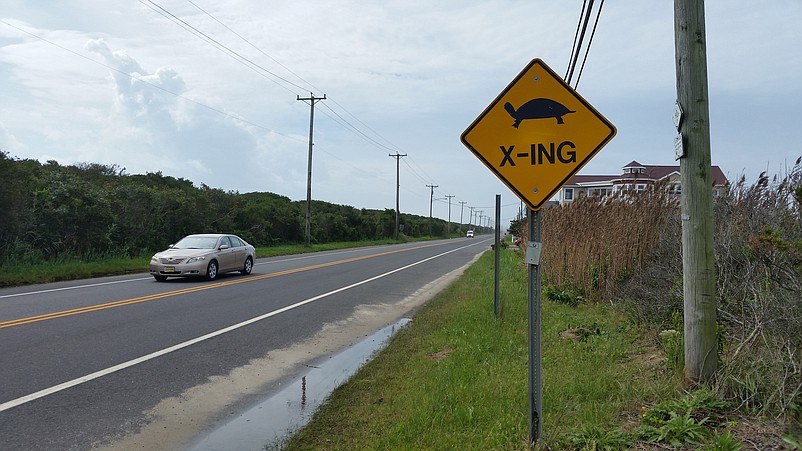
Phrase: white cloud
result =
(8, 142)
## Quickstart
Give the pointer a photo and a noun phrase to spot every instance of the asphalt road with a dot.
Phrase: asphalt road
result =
(82, 364)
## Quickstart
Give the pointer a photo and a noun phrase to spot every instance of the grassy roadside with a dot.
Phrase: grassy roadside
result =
(72, 268)
(457, 379)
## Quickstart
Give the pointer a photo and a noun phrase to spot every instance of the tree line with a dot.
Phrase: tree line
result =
(48, 209)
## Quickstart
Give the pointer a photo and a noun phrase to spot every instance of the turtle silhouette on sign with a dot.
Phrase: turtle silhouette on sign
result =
(537, 109)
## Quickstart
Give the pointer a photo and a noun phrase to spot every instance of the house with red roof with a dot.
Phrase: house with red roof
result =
(634, 178)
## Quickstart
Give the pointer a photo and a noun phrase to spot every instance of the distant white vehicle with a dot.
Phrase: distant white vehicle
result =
(469, 234)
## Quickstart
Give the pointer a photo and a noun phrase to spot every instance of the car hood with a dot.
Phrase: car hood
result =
(183, 253)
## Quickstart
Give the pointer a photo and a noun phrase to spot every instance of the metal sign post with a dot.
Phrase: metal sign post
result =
(497, 272)
(535, 136)
(533, 250)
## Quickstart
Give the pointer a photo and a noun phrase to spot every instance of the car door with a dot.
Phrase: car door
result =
(240, 252)
(226, 257)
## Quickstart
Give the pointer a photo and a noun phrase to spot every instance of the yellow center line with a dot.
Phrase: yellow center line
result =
(152, 297)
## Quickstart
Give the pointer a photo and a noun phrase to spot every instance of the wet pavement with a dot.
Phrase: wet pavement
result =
(269, 423)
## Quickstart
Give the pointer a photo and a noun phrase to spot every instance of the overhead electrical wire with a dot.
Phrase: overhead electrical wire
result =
(583, 19)
(340, 119)
(574, 49)
(590, 41)
(579, 37)
(252, 45)
(220, 46)
(244, 39)
(346, 122)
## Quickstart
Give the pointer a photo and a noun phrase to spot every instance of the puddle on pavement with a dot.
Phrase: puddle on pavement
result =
(268, 424)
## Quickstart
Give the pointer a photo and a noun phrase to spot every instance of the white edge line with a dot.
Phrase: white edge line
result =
(52, 290)
(104, 372)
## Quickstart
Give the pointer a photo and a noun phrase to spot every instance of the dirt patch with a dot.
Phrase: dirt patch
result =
(439, 355)
(579, 333)
(175, 422)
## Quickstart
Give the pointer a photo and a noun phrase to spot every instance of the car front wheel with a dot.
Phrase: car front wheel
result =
(248, 267)
(211, 270)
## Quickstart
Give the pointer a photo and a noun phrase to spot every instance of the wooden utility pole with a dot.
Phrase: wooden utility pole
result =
(448, 227)
(397, 157)
(308, 227)
(698, 258)
(431, 200)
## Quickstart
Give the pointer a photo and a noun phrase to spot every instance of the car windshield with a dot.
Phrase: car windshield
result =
(196, 242)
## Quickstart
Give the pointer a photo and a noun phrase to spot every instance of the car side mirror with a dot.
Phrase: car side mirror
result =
(224, 247)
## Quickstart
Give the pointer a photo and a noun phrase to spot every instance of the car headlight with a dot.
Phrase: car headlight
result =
(154, 259)
(196, 259)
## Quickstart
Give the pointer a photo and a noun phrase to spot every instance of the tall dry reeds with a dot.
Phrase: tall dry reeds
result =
(627, 250)
(593, 243)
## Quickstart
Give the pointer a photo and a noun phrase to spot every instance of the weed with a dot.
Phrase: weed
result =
(793, 442)
(684, 421)
(673, 345)
(591, 438)
(565, 296)
(677, 430)
(699, 404)
(723, 442)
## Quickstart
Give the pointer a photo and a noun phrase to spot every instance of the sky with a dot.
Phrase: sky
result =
(209, 91)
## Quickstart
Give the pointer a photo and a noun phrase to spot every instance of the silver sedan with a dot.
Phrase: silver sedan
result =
(204, 255)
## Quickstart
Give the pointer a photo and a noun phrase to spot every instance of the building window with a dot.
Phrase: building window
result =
(675, 190)
(600, 192)
(569, 194)
(639, 188)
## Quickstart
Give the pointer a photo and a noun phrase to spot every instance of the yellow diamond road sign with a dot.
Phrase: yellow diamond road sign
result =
(537, 134)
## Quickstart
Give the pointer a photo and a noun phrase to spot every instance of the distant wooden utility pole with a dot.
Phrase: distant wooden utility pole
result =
(398, 158)
(448, 227)
(693, 149)
(308, 227)
(431, 200)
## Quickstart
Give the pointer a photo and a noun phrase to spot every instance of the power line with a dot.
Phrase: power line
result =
(581, 29)
(250, 44)
(590, 41)
(220, 46)
(576, 37)
(345, 123)
(584, 18)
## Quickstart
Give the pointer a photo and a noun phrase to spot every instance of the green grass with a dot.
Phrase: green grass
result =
(291, 249)
(456, 378)
(70, 268)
